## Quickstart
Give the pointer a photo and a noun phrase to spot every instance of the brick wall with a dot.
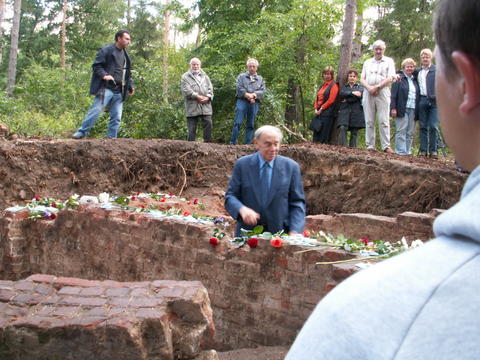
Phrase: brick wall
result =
(260, 296)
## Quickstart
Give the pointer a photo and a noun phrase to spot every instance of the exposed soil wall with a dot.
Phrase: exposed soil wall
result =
(336, 179)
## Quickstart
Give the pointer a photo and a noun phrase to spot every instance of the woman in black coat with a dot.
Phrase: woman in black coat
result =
(350, 112)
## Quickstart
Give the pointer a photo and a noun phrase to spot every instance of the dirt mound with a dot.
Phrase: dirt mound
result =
(336, 179)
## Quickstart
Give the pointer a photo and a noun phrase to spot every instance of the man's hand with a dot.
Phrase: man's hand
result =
(132, 91)
(249, 216)
(202, 99)
(373, 90)
(357, 93)
(108, 77)
(318, 111)
(394, 113)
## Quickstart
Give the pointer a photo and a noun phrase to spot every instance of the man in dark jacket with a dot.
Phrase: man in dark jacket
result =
(111, 83)
(428, 113)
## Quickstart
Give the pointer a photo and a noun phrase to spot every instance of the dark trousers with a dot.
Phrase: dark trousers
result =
(192, 127)
(428, 117)
(342, 136)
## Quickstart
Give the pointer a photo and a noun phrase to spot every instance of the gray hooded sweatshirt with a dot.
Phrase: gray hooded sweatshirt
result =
(423, 304)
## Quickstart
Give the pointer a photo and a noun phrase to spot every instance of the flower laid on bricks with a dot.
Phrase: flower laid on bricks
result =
(252, 242)
(53, 216)
(306, 233)
(276, 242)
(214, 241)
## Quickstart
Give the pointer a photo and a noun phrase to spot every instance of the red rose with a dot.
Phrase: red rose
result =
(252, 242)
(53, 216)
(133, 197)
(195, 201)
(306, 233)
(142, 206)
(162, 200)
(364, 240)
(276, 242)
(37, 198)
(214, 241)
(54, 204)
(186, 213)
(189, 202)
(138, 193)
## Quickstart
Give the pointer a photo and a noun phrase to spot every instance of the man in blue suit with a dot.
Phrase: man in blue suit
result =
(266, 188)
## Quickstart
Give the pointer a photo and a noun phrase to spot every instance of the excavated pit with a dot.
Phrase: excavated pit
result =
(259, 296)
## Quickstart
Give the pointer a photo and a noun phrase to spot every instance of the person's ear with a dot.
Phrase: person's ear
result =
(470, 74)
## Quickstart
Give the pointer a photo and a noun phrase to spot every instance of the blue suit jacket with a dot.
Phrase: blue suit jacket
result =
(285, 207)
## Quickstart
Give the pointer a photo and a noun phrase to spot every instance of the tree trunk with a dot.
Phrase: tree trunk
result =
(294, 108)
(345, 53)
(357, 41)
(166, 32)
(129, 12)
(2, 16)
(12, 61)
(347, 39)
(63, 34)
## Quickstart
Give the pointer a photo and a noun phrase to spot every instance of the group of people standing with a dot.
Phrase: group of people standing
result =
(354, 105)
(197, 90)
(358, 105)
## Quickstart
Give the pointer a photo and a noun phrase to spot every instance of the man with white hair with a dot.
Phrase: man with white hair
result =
(250, 90)
(198, 92)
(377, 74)
(428, 113)
(266, 188)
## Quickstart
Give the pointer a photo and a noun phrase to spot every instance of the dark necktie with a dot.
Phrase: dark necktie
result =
(264, 186)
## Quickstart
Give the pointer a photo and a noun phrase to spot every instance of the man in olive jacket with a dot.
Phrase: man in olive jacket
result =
(198, 92)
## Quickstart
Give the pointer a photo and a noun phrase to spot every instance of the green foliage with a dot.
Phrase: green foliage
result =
(406, 27)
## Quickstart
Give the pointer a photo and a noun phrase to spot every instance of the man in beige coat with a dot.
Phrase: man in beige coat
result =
(198, 92)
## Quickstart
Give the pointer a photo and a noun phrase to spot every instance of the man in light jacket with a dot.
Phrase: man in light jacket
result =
(198, 92)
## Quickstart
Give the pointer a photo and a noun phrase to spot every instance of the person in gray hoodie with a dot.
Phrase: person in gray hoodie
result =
(425, 303)
(198, 92)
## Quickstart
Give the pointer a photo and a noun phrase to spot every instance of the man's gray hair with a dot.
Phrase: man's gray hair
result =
(195, 58)
(379, 44)
(268, 129)
(252, 60)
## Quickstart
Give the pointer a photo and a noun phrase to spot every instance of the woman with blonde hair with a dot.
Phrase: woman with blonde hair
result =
(404, 107)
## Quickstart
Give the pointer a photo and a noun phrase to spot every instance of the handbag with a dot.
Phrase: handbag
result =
(316, 124)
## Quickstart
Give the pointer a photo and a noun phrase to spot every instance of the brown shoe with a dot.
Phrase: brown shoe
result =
(388, 150)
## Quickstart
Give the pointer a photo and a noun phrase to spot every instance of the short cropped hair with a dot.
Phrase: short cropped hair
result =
(352, 72)
(329, 70)
(456, 28)
(268, 129)
(426, 51)
(195, 58)
(379, 44)
(408, 61)
(252, 60)
(119, 34)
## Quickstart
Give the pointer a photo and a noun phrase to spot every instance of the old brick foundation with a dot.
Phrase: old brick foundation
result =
(259, 296)
(45, 317)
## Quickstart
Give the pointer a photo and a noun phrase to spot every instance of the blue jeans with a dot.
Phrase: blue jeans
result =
(428, 116)
(112, 100)
(244, 108)
(405, 127)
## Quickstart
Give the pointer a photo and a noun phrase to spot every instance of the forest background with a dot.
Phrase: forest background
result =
(292, 39)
